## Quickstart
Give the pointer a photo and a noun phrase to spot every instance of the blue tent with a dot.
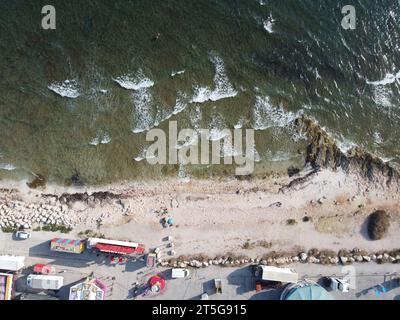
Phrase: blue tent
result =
(308, 292)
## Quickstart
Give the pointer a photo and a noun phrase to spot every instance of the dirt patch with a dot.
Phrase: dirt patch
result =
(336, 225)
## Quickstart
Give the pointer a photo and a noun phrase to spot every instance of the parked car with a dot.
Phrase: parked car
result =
(22, 235)
(180, 273)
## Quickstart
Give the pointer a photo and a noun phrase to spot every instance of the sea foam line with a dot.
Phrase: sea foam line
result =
(67, 88)
(223, 88)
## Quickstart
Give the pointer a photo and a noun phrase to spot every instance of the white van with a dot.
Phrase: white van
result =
(44, 282)
(180, 273)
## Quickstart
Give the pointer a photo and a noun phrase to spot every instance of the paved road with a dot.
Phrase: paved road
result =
(238, 283)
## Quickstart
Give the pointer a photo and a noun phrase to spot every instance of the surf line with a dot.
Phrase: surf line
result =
(189, 146)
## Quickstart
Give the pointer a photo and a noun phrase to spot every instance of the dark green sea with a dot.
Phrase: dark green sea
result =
(79, 100)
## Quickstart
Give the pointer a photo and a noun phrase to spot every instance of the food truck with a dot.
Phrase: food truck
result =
(67, 245)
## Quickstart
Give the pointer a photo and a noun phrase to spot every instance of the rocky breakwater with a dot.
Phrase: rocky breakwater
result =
(20, 215)
(313, 256)
(323, 151)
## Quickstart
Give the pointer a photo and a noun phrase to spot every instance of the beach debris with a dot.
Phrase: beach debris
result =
(156, 36)
(275, 205)
(167, 222)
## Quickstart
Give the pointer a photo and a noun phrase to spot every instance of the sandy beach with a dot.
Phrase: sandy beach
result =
(212, 218)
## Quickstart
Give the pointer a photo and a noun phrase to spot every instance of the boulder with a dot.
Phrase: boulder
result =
(334, 260)
(303, 256)
(358, 258)
(312, 259)
(281, 260)
(386, 256)
(343, 260)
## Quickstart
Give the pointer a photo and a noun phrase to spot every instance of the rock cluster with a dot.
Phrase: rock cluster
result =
(342, 257)
(17, 214)
(322, 151)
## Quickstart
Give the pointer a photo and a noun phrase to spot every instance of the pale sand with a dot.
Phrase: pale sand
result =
(216, 217)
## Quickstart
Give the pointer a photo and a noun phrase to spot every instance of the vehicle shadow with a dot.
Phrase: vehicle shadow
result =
(242, 278)
(83, 260)
(209, 287)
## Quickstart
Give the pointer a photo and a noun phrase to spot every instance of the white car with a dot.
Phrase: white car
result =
(180, 273)
(22, 235)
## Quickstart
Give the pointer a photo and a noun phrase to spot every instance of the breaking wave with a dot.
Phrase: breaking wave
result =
(7, 166)
(100, 139)
(66, 89)
(223, 88)
(134, 81)
(266, 116)
(268, 24)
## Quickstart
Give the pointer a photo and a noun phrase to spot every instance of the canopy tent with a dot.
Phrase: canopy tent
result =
(306, 291)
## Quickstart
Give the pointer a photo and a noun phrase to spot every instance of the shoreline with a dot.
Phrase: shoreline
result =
(250, 218)
(325, 206)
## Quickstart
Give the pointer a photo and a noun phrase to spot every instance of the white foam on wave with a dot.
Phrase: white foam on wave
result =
(195, 116)
(382, 96)
(143, 103)
(241, 122)
(217, 127)
(223, 88)
(268, 24)
(100, 139)
(177, 73)
(266, 116)
(134, 81)
(145, 118)
(7, 166)
(377, 137)
(278, 156)
(66, 89)
(143, 155)
(388, 79)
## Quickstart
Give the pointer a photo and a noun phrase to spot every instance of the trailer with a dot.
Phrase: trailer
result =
(12, 263)
(275, 274)
(44, 282)
(67, 245)
(115, 247)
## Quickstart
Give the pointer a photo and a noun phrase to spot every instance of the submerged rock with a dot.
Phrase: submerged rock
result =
(39, 181)
(323, 151)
